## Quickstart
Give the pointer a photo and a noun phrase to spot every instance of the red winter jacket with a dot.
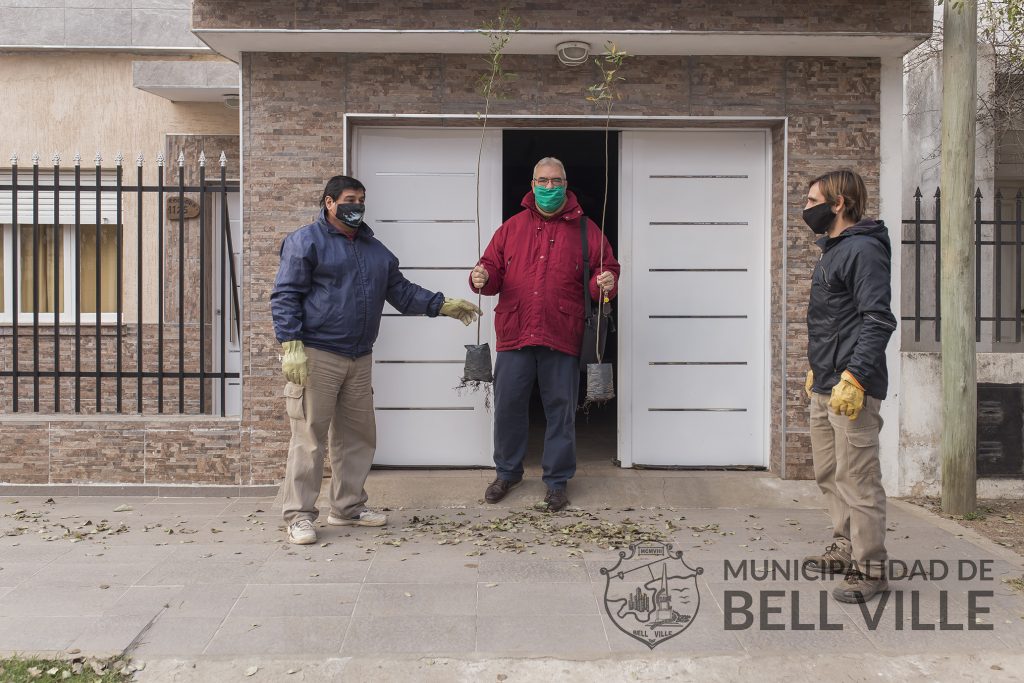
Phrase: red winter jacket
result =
(536, 264)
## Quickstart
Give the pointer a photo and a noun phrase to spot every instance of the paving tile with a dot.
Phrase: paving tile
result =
(306, 635)
(84, 555)
(60, 601)
(423, 570)
(177, 636)
(143, 601)
(184, 572)
(520, 569)
(31, 550)
(29, 634)
(536, 599)
(322, 572)
(14, 573)
(204, 600)
(416, 599)
(330, 600)
(553, 635)
(108, 636)
(433, 635)
(91, 574)
(224, 552)
(705, 635)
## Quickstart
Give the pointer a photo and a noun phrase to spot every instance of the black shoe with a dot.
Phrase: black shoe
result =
(498, 489)
(556, 500)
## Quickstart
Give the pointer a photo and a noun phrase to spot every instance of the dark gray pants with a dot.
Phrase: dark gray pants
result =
(559, 377)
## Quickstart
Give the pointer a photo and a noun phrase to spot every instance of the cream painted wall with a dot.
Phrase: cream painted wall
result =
(84, 102)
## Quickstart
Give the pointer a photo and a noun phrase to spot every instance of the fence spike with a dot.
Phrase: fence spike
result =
(938, 192)
(55, 158)
(98, 158)
(35, 158)
(181, 158)
(139, 159)
(202, 158)
(78, 159)
(223, 159)
(977, 194)
(118, 159)
(14, 158)
(160, 159)
(917, 193)
(999, 195)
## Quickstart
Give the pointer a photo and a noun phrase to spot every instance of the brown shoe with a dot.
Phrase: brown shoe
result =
(835, 560)
(556, 500)
(857, 587)
(498, 489)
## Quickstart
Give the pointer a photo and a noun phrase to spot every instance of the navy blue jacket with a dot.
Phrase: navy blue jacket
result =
(849, 321)
(330, 290)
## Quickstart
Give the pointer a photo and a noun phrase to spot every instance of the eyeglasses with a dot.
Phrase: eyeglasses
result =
(554, 182)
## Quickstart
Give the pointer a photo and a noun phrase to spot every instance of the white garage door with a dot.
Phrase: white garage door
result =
(695, 334)
(421, 190)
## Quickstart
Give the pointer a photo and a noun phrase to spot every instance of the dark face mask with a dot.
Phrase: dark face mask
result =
(819, 218)
(350, 214)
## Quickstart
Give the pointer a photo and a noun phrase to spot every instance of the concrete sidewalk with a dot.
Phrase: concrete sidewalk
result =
(194, 585)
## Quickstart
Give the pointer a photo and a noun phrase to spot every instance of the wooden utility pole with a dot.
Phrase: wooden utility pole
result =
(959, 371)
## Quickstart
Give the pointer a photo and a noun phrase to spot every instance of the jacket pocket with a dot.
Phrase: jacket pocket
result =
(572, 308)
(293, 397)
(506, 320)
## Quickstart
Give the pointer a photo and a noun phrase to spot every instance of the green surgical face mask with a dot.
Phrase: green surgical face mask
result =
(549, 198)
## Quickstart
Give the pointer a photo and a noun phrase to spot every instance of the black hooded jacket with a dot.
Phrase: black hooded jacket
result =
(848, 319)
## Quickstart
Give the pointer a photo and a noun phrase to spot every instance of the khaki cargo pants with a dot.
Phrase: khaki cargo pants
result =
(848, 472)
(332, 412)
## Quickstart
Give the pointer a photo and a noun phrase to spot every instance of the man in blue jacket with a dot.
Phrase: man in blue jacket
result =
(327, 303)
(849, 323)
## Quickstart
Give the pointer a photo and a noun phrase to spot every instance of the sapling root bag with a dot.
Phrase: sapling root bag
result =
(600, 384)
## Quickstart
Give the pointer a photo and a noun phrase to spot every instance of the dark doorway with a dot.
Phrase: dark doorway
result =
(583, 153)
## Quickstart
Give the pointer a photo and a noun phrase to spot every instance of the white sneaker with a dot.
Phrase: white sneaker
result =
(365, 518)
(302, 532)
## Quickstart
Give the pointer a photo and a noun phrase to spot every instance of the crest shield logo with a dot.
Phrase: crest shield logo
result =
(651, 594)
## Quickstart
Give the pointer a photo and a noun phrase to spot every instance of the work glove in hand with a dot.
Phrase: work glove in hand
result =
(461, 310)
(809, 383)
(294, 363)
(847, 396)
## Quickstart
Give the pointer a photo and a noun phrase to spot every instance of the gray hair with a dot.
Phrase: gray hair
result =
(549, 161)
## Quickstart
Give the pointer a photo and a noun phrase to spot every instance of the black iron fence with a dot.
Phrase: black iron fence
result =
(998, 245)
(109, 303)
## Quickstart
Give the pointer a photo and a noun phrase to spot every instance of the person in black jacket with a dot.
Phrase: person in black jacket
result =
(848, 327)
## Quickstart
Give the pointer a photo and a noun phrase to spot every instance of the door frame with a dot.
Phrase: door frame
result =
(635, 123)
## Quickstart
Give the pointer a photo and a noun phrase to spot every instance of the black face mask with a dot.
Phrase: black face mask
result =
(819, 218)
(350, 214)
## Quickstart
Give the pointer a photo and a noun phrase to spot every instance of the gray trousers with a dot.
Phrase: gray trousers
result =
(333, 413)
(848, 472)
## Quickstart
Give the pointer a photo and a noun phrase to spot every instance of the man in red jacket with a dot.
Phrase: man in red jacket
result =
(535, 262)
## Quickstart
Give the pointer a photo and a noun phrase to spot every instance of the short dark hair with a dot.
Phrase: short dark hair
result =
(847, 184)
(338, 184)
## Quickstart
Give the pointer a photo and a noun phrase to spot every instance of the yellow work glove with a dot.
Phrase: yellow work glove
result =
(847, 396)
(294, 362)
(461, 310)
(808, 383)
